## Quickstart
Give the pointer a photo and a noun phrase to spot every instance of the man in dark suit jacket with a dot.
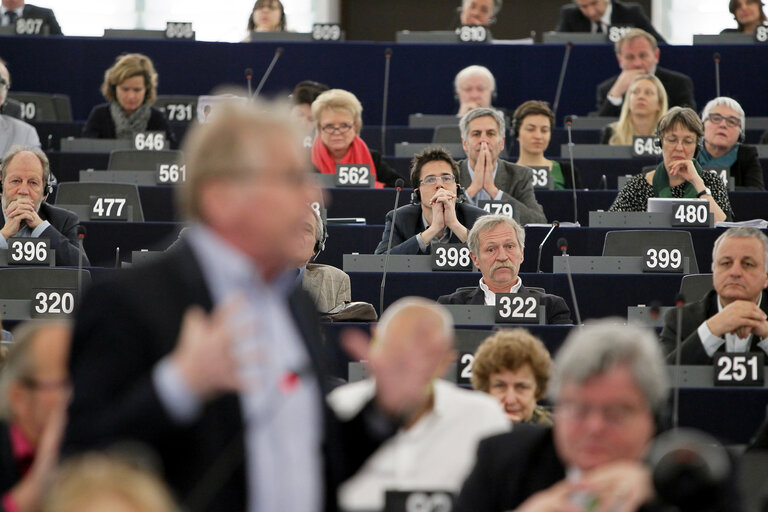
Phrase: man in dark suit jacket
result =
(211, 355)
(589, 16)
(637, 54)
(496, 245)
(436, 213)
(734, 316)
(29, 11)
(25, 178)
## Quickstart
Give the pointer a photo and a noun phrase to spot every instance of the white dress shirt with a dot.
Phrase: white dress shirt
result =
(733, 343)
(490, 297)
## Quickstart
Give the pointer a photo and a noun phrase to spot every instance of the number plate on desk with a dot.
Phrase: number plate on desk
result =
(149, 141)
(542, 178)
(29, 26)
(690, 215)
(28, 251)
(179, 111)
(472, 34)
(53, 302)
(740, 369)
(668, 258)
(464, 368)
(107, 208)
(497, 207)
(517, 308)
(179, 30)
(326, 32)
(761, 34)
(418, 501)
(353, 175)
(645, 147)
(169, 174)
(451, 257)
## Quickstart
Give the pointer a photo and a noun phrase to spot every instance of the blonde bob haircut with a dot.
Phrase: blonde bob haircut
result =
(128, 66)
(338, 99)
(624, 129)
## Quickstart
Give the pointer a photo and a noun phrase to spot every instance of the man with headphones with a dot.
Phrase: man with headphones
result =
(327, 285)
(25, 179)
(13, 131)
(437, 212)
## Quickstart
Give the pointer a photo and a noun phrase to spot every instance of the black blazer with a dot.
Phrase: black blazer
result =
(566, 168)
(746, 170)
(123, 328)
(679, 89)
(556, 309)
(409, 224)
(9, 469)
(33, 11)
(694, 313)
(63, 234)
(101, 126)
(626, 14)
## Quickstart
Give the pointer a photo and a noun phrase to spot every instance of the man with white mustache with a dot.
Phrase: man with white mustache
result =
(496, 244)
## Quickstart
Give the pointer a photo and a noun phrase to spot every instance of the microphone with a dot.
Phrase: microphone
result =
(80, 233)
(387, 61)
(561, 80)
(538, 264)
(716, 57)
(398, 187)
(278, 53)
(604, 182)
(248, 77)
(679, 303)
(49, 143)
(117, 257)
(562, 244)
(569, 126)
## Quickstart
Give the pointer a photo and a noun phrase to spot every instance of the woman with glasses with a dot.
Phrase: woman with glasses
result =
(339, 117)
(679, 174)
(723, 133)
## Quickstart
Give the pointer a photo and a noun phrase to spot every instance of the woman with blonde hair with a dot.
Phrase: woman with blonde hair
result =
(644, 103)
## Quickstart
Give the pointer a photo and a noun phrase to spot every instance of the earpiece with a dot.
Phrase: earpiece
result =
(416, 196)
(320, 244)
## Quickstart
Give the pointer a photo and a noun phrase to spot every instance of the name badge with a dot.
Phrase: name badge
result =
(663, 259)
(107, 208)
(453, 257)
(171, 174)
(645, 146)
(517, 308)
(28, 251)
(464, 368)
(542, 178)
(29, 26)
(418, 501)
(497, 207)
(326, 32)
(353, 175)
(179, 111)
(616, 31)
(472, 34)
(761, 34)
(53, 302)
(690, 215)
(739, 369)
(149, 141)
(179, 30)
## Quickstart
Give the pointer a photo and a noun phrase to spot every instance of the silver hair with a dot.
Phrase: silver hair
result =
(496, 5)
(487, 223)
(15, 150)
(405, 303)
(476, 113)
(728, 102)
(318, 224)
(742, 232)
(602, 345)
(474, 70)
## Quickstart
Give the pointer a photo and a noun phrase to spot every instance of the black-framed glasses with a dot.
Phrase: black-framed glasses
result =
(673, 141)
(733, 122)
(447, 179)
(336, 128)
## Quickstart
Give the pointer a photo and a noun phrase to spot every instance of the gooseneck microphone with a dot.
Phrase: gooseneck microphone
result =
(80, 232)
(716, 57)
(398, 188)
(538, 263)
(384, 101)
(561, 80)
(569, 126)
(562, 244)
(248, 78)
(278, 53)
(679, 303)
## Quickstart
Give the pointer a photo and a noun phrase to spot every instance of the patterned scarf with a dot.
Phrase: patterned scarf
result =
(127, 126)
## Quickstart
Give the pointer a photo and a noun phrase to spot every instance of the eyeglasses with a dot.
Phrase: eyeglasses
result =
(341, 128)
(32, 383)
(732, 122)
(616, 414)
(447, 179)
(673, 141)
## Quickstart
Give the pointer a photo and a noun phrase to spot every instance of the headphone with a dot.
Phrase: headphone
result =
(47, 189)
(460, 195)
(319, 244)
(658, 142)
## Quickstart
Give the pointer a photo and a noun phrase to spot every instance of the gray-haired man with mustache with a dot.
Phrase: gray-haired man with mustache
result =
(496, 244)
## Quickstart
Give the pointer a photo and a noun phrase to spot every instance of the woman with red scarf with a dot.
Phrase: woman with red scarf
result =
(339, 117)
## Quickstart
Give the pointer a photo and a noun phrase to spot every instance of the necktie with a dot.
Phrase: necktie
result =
(11, 15)
(599, 27)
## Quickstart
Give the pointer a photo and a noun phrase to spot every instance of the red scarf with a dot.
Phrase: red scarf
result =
(358, 153)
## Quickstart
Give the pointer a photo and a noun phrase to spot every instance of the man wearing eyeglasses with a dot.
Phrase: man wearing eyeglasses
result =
(436, 213)
(35, 389)
(13, 131)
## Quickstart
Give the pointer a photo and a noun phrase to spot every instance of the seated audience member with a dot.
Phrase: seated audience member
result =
(609, 386)
(731, 317)
(302, 97)
(435, 447)
(496, 244)
(724, 128)
(597, 16)
(266, 16)
(749, 15)
(130, 88)
(97, 481)
(437, 213)
(479, 12)
(13, 131)
(638, 54)
(532, 125)
(338, 115)
(644, 104)
(485, 176)
(475, 87)
(12, 10)
(328, 286)
(513, 367)
(25, 175)
(35, 390)
(679, 174)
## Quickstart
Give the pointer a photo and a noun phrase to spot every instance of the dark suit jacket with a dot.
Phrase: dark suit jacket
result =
(33, 11)
(746, 170)
(62, 233)
(566, 168)
(9, 469)
(11, 108)
(625, 14)
(694, 313)
(556, 309)
(101, 126)
(679, 89)
(516, 184)
(123, 329)
(409, 224)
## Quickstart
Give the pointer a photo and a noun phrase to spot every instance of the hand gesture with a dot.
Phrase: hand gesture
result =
(686, 170)
(740, 317)
(622, 83)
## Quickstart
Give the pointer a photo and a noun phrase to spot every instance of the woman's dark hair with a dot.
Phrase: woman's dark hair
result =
(307, 91)
(734, 4)
(262, 3)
